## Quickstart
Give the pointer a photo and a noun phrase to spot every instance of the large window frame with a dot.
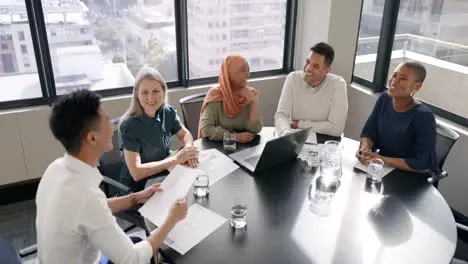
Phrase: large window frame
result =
(37, 26)
(384, 54)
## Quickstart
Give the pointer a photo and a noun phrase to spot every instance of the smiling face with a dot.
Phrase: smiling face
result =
(151, 95)
(403, 83)
(315, 69)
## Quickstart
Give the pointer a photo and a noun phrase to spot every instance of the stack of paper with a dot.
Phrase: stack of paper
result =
(175, 186)
(215, 164)
(199, 224)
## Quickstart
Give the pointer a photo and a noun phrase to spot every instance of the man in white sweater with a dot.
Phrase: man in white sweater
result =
(313, 97)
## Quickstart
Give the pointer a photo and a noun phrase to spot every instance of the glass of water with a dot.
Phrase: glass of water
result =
(238, 216)
(201, 186)
(375, 170)
(321, 194)
(314, 157)
(331, 162)
(229, 140)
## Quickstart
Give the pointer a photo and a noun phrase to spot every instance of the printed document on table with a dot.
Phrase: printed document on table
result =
(385, 170)
(215, 164)
(199, 224)
(175, 186)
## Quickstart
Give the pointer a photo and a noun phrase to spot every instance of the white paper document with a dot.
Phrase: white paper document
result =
(175, 186)
(385, 170)
(199, 224)
(215, 164)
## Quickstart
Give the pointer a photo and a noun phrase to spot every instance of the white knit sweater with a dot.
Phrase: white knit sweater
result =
(323, 108)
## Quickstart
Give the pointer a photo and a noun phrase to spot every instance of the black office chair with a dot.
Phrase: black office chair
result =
(191, 108)
(445, 140)
(110, 165)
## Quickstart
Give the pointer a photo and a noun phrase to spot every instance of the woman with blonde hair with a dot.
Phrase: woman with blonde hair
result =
(232, 105)
(146, 129)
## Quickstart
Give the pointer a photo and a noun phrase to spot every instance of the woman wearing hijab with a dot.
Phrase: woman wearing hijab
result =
(146, 130)
(232, 106)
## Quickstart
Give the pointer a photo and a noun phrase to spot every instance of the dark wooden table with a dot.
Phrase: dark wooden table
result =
(405, 220)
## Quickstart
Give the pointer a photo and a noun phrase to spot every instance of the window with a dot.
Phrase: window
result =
(12, 73)
(101, 45)
(434, 33)
(369, 32)
(24, 49)
(113, 44)
(21, 36)
(239, 29)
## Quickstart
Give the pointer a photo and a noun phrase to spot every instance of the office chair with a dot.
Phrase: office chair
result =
(445, 140)
(191, 108)
(110, 165)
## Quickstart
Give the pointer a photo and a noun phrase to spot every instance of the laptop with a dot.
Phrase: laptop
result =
(274, 152)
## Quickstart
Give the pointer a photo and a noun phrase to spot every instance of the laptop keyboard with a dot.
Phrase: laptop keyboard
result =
(253, 160)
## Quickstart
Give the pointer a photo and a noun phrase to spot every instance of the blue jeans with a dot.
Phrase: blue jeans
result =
(105, 260)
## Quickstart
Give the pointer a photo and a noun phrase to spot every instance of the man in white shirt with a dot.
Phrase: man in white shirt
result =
(74, 218)
(313, 97)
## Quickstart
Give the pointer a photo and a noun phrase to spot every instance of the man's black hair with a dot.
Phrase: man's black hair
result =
(72, 116)
(326, 50)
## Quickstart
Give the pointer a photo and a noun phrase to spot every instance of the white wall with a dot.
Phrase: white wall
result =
(27, 145)
(312, 27)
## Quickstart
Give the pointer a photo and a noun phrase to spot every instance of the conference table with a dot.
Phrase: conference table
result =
(403, 220)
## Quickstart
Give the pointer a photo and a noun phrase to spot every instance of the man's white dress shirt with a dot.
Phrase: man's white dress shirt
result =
(323, 108)
(74, 222)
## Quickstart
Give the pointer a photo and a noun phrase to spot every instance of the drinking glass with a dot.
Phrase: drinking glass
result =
(238, 216)
(201, 186)
(229, 141)
(375, 170)
(331, 163)
(314, 156)
(321, 193)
